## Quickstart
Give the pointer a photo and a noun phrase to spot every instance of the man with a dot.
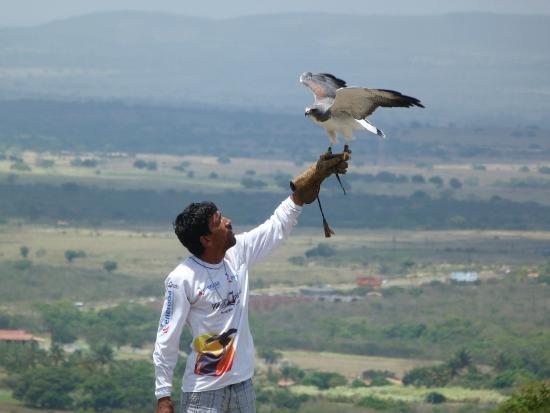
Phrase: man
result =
(209, 292)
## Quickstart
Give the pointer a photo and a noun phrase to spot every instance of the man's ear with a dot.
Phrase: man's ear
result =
(205, 240)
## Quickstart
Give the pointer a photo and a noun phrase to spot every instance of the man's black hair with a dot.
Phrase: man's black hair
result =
(192, 223)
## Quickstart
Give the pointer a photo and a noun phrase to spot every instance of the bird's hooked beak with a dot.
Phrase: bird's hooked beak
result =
(305, 76)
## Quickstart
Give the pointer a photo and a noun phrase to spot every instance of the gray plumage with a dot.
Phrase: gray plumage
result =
(341, 109)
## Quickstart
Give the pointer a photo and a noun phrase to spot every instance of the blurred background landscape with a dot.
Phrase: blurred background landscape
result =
(431, 297)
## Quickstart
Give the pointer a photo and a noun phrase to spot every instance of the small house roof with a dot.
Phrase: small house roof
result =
(17, 335)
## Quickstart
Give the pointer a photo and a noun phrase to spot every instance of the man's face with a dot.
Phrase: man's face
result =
(221, 232)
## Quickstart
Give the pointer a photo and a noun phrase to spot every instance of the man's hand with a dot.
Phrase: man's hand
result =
(306, 186)
(164, 405)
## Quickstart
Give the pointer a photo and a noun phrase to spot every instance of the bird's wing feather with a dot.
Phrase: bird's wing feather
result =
(323, 85)
(361, 102)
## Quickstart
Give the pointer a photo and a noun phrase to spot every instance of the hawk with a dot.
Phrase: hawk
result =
(341, 109)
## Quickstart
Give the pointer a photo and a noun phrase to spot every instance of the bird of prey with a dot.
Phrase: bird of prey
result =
(341, 109)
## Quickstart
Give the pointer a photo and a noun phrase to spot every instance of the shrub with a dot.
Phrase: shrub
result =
(181, 166)
(141, 164)
(321, 250)
(379, 381)
(24, 251)
(71, 255)
(435, 398)
(428, 376)
(375, 403)
(86, 163)
(356, 383)
(20, 166)
(110, 266)
(252, 183)
(281, 398)
(224, 160)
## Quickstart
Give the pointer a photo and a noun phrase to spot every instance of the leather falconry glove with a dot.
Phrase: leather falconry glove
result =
(308, 183)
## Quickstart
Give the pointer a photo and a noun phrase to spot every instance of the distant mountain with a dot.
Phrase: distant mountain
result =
(466, 68)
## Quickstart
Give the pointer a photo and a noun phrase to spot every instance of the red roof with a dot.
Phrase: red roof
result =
(17, 335)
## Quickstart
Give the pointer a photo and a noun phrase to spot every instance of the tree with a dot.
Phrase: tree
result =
(532, 398)
(57, 354)
(252, 183)
(24, 251)
(418, 179)
(101, 392)
(455, 183)
(291, 372)
(436, 180)
(321, 250)
(102, 354)
(324, 380)
(460, 360)
(61, 320)
(110, 266)
(46, 387)
(270, 355)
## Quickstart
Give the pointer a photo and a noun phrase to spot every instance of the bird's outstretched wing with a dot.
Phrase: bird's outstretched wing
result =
(361, 102)
(323, 85)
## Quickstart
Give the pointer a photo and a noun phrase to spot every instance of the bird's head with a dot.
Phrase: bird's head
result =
(308, 111)
(305, 77)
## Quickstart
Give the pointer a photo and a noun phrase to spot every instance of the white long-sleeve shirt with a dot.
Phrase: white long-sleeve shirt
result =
(213, 300)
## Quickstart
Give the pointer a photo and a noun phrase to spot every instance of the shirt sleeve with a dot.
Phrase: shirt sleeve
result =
(165, 356)
(260, 241)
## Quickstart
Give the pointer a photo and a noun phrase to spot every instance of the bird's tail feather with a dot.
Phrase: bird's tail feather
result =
(370, 127)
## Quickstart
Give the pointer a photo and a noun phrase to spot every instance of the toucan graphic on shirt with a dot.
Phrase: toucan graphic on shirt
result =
(215, 353)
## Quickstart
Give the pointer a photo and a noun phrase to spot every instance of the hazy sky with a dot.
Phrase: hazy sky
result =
(31, 12)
